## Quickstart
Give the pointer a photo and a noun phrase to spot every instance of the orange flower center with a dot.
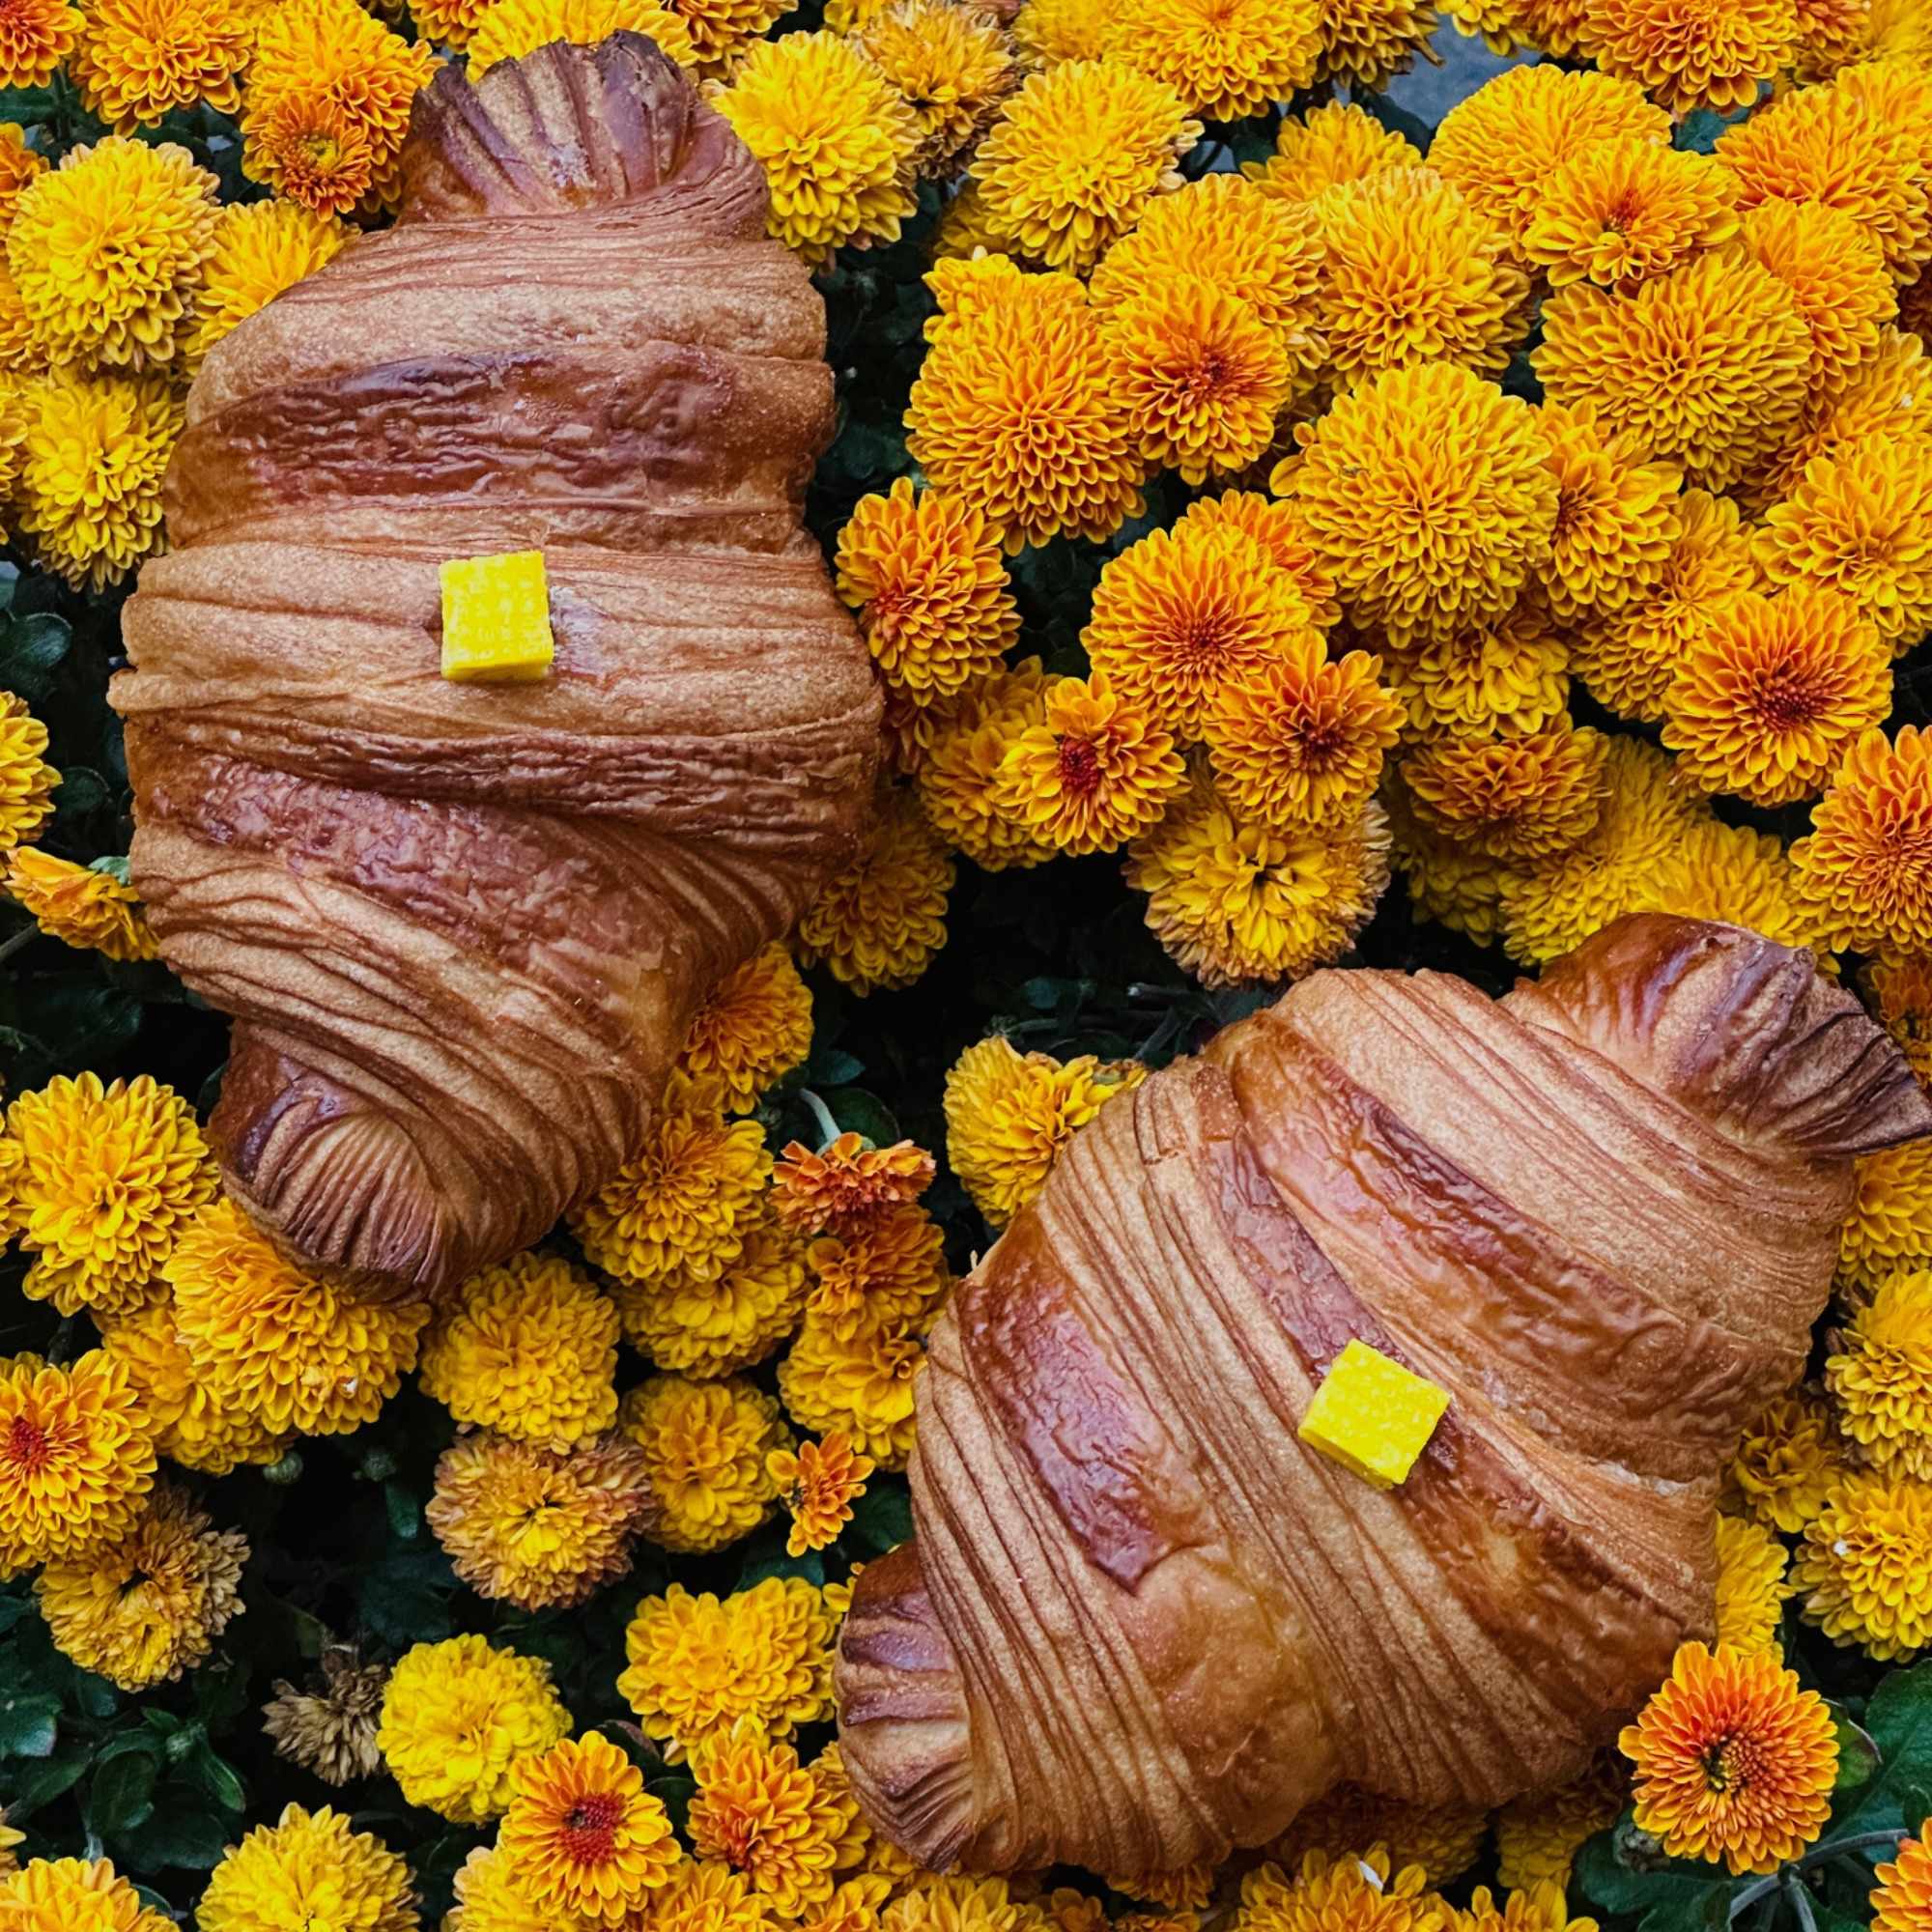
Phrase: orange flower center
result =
(589, 1832)
(27, 1447)
(1731, 1764)
(1785, 697)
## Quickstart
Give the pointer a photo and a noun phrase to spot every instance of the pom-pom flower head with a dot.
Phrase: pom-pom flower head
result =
(953, 65)
(836, 140)
(1902, 1899)
(713, 1325)
(754, 1027)
(1617, 515)
(1751, 1588)
(74, 1895)
(857, 1378)
(140, 59)
(879, 923)
(1769, 700)
(1836, 273)
(1367, 42)
(1227, 58)
(1880, 1375)
(36, 35)
(306, 1869)
(705, 1447)
(763, 1813)
(1508, 679)
(1737, 877)
(27, 780)
(1734, 1762)
(1329, 145)
(261, 248)
(1435, 467)
(1863, 1570)
(511, 28)
(1695, 53)
(1868, 861)
(1787, 1464)
(1358, 1891)
(846, 1186)
(457, 1718)
(1625, 209)
(1076, 155)
(1514, 799)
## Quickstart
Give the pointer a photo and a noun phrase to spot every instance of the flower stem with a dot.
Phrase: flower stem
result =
(1832, 1848)
(822, 1114)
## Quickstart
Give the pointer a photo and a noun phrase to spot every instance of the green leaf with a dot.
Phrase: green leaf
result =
(121, 1795)
(405, 1512)
(1623, 1870)
(881, 1519)
(859, 1112)
(1899, 1721)
(80, 789)
(1859, 1756)
(181, 1832)
(42, 1783)
(219, 1779)
(96, 1696)
(31, 649)
(29, 1724)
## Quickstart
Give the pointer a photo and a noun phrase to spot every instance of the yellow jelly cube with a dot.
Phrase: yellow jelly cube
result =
(1373, 1415)
(496, 619)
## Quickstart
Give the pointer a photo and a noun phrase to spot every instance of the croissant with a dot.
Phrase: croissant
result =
(461, 927)
(1141, 1622)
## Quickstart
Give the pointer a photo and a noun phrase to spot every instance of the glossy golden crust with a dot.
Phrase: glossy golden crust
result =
(1142, 1622)
(461, 927)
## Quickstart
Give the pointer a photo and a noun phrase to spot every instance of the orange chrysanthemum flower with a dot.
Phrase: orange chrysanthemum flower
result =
(1734, 1762)
(1202, 375)
(1902, 1899)
(1868, 861)
(1834, 146)
(957, 776)
(140, 59)
(1617, 515)
(1497, 681)
(1514, 798)
(879, 923)
(953, 64)
(1767, 700)
(1227, 58)
(313, 151)
(87, 907)
(1326, 147)
(1367, 42)
(1695, 53)
(753, 1029)
(1502, 144)
(1435, 467)
(1836, 273)
(1181, 612)
(1277, 527)
(1737, 877)
(1096, 771)
(1859, 521)
(1015, 413)
(887, 1272)
(761, 1812)
(36, 35)
(1413, 274)
(584, 1835)
(818, 1487)
(1076, 155)
(1300, 739)
(846, 1186)
(1625, 209)
(924, 575)
(1707, 365)
(1902, 986)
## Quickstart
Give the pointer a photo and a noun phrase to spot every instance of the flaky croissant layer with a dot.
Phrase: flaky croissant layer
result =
(1142, 1622)
(461, 927)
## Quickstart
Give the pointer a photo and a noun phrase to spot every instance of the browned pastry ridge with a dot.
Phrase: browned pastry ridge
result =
(1142, 1622)
(461, 927)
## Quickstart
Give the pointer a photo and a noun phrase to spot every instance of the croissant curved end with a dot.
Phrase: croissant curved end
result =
(462, 928)
(1142, 1622)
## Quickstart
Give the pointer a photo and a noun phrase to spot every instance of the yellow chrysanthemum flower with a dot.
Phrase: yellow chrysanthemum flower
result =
(761, 1812)
(1859, 521)
(857, 1378)
(352, 79)
(1836, 273)
(528, 1349)
(704, 1448)
(1076, 155)
(36, 35)
(699, 1666)
(1435, 465)
(1902, 1899)
(1731, 873)
(1503, 143)
(108, 252)
(855, 1905)
(1225, 58)
(74, 1895)
(298, 1352)
(1751, 1586)
(957, 776)
(1415, 274)
(1888, 1224)
(141, 1611)
(1537, 1837)
(754, 1027)
(1864, 1569)
(1010, 1115)
(1695, 53)
(1551, 908)
(449, 22)
(1235, 902)
(1328, 146)
(954, 66)
(685, 1202)
(1617, 517)
(86, 906)
(526, 1526)
(1446, 881)
(1541, 1909)
(879, 923)
(1868, 861)
(1367, 42)
(1050, 31)
(736, 1318)
(91, 466)
(457, 1718)
(512, 28)
(1501, 679)
(1300, 740)
(818, 1483)
(306, 1869)
(836, 139)
(260, 250)
(1357, 1894)
(923, 572)
(1837, 147)
(1625, 209)
(957, 1904)
(76, 1459)
(138, 60)
(1787, 1464)
(1880, 1375)
(1351, 1822)
(1706, 364)
(887, 1273)
(104, 1181)
(20, 166)
(1202, 377)
(489, 1898)
(1278, 529)
(1902, 986)
(1016, 413)
(719, 29)
(1734, 1762)
(1517, 799)
(1767, 701)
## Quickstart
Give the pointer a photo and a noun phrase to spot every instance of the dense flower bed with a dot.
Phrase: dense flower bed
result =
(1280, 546)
